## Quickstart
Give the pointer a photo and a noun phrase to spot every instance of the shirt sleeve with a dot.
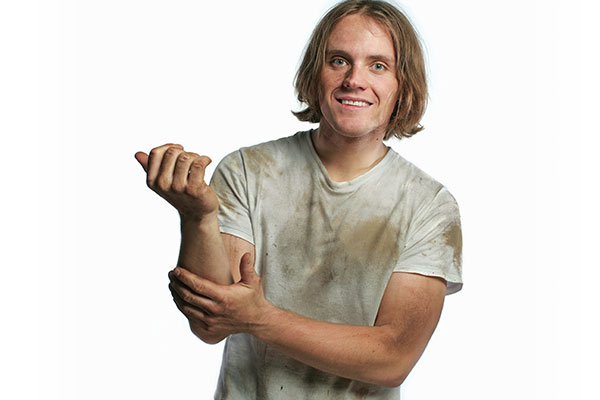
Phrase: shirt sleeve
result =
(230, 184)
(433, 244)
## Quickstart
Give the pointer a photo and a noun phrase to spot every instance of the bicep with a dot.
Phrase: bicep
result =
(410, 309)
(236, 247)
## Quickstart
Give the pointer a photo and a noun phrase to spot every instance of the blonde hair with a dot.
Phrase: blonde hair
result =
(412, 94)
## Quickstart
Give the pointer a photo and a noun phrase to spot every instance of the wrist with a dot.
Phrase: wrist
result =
(268, 317)
(189, 221)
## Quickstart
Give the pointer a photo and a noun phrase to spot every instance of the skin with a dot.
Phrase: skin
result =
(360, 65)
(215, 285)
(178, 177)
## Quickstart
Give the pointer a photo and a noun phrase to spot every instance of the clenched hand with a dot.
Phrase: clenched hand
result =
(178, 177)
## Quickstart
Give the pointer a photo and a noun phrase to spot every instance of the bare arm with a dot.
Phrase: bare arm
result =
(178, 177)
(382, 354)
(189, 254)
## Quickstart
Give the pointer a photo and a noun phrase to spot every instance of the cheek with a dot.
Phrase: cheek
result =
(324, 85)
(393, 91)
(321, 89)
(325, 90)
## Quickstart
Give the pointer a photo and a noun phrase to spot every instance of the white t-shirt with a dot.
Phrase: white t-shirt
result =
(326, 250)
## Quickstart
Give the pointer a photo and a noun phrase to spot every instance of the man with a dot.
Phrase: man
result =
(323, 257)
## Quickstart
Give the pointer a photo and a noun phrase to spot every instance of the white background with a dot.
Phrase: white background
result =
(510, 130)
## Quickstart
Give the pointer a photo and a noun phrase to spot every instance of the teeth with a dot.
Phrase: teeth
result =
(355, 103)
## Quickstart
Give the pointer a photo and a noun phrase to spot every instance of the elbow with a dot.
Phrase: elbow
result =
(205, 336)
(389, 376)
(393, 380)
(394, 370)
(210, 339)
(398, 362)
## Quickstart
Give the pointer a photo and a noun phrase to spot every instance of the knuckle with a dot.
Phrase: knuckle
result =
(191, 190)
(163, 184)
(210, 325)
(214, 310)
(209, 309)
(198, 164)
(187, 297)
(172, 151)
(224, 302)
(184, 156)
(177, 187)
(187, 310)
(154, 152)
(197, 287)
(157, 150)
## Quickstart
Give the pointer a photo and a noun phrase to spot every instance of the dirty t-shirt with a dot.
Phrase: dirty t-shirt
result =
(326, 250)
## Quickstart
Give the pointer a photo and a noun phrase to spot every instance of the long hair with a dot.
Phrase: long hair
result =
(412, 79)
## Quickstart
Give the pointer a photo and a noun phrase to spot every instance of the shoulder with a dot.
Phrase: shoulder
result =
(415, 182)
(264, 154)
(275, 157)
(274, 148)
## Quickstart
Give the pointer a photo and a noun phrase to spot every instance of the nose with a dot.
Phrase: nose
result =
(355, 79)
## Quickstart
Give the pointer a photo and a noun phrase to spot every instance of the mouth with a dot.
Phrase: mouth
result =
(354, 102)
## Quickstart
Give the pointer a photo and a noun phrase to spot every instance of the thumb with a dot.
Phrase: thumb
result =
(247, 272)
(142, 159)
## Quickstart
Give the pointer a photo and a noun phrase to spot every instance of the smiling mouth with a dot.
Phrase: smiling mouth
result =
(356, 103)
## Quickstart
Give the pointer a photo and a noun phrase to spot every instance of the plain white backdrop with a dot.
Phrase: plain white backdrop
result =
(510, 129)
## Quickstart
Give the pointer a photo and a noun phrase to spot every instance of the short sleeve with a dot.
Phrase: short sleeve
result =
(433, 244)
(230, 184)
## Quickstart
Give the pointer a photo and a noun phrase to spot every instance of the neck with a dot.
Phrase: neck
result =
(346, 158)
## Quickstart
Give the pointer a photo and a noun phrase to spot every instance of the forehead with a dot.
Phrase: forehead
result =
(361, 34)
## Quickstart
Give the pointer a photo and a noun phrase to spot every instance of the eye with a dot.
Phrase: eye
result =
(379, 67)
(338, 62)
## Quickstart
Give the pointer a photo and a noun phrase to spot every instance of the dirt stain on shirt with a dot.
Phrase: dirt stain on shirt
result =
(259, 161)
(453, 238)
(371, 242)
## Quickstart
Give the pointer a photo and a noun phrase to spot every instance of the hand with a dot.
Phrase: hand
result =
(178, 177)
(216, 311)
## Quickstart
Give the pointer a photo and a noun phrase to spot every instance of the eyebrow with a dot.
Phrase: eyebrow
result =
(345, 54)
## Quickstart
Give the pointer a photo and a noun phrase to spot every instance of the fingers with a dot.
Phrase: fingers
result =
(192, 313)
(182, 170)
(186, 296)
(197, 169)
(169, 167)
(155, 161)
(247, 272)
(142, 158)
(164, 180)
(197, 285)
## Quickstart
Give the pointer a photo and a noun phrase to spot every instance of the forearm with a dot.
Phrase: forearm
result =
(202, 251)
(383, 354)
(372, 354)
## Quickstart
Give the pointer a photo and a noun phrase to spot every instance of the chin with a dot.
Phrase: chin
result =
(354, 131)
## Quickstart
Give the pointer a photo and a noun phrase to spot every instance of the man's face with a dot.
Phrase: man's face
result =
(359, 87)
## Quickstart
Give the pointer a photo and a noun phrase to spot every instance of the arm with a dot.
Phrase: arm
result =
(178, 177)
(382, 354)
